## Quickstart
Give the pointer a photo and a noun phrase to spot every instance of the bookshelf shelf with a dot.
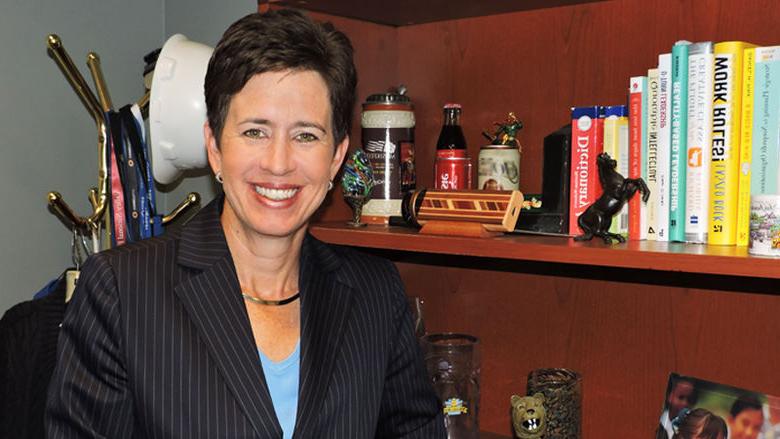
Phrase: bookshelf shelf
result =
(641, 255)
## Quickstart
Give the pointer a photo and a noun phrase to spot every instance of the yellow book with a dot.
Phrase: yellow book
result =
(616, 145)
(726, 140)
(746, 147)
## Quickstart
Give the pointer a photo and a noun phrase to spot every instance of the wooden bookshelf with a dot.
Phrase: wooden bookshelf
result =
(624, 316)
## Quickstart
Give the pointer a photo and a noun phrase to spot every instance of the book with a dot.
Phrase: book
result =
(650, 169)
(697, 173)
(587, 129)
(664, 145)
(679, 141)
(726, 138)
(637, 139)
(766, 111)
(745, 148)
(616, 145)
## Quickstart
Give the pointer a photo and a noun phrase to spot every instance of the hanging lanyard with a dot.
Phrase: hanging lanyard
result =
(145, 183)
(157, 228)
(116, 207)
(128, 176)
(133, 201)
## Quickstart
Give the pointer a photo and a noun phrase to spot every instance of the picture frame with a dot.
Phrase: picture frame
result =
(742, 413)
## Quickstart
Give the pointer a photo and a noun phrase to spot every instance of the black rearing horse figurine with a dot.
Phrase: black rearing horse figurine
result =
(597, 218)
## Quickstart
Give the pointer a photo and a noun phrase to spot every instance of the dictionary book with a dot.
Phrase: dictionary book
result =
(587, 131)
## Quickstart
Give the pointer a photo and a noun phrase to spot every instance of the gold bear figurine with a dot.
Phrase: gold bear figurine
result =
(528, 416)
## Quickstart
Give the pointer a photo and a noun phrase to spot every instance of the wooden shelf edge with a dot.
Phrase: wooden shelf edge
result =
(644, 255)
(412, 12)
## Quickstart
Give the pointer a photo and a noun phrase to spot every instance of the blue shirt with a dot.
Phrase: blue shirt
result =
(282, 378)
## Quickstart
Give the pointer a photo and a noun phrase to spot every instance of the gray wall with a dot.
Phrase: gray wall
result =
(47, 140)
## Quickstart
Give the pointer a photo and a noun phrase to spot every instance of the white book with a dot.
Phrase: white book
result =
(664, 145)
(701, 60)
(651, 161)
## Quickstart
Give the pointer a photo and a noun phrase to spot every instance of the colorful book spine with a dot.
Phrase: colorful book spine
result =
(664, 145)
(766, 112)
(651, 163)
(587, 130)
(616, 145)
(637, 137)
(699, 143)
(726, 138)
(745, 147)
(642, 165)
(679, 136)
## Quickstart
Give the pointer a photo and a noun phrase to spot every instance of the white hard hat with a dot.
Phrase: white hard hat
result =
(177, 108)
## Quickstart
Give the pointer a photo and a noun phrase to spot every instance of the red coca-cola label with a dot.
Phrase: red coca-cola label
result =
(452, 173)
(451, 153)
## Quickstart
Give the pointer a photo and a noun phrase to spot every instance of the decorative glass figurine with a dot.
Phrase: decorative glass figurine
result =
(506, 132)
(356, 183)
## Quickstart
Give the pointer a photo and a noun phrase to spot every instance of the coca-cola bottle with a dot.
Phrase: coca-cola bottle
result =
(451, 141)
(452, 169)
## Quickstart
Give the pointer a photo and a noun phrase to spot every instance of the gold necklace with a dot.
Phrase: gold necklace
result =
(260, 301)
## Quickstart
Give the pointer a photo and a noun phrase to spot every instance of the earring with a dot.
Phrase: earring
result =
(218, 176)
(330, 185)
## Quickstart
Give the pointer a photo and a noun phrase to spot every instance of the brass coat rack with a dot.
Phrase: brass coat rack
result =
(98, 196)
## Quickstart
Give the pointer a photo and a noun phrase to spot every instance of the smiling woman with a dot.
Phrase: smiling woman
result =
(240, 323)
(276, 155)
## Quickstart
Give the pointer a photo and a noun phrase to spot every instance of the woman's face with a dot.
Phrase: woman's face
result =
(276, 153)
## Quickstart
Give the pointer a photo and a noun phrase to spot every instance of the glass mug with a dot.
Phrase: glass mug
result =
(562, 390)
(453, 364)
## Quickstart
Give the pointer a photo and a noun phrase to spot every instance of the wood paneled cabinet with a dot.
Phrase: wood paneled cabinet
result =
(624, 316)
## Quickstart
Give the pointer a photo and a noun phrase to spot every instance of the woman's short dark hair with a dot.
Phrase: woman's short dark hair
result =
(279, 40)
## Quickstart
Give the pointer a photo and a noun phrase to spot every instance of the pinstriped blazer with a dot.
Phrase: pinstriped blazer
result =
(157, 344)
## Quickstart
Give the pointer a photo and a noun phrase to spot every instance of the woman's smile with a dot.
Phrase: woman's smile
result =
(284, 193)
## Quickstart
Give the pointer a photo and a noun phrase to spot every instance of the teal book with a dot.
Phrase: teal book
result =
(766, 122)
(679, 141)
